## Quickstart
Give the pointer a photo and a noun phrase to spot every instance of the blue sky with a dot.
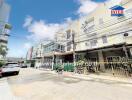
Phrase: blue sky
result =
(46, 13)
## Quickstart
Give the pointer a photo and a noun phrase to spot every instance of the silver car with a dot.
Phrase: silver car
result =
(10, 68)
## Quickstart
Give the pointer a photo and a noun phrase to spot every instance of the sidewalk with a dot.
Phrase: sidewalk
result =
(101, 78)
(5, 91)
(94, 77)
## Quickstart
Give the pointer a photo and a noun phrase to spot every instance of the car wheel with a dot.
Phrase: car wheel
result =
(16, 73)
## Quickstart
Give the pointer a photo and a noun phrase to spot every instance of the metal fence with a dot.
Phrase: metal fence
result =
(113, 65)
(66, 66)
(119, 66)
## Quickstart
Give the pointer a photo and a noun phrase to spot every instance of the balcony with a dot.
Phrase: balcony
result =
(126, 18)
(3, 41)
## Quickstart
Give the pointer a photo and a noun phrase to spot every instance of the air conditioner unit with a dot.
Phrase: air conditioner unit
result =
(87, 44)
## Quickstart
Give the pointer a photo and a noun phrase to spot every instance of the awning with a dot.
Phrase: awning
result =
(63, 53)
(112, 47)
(58, 54)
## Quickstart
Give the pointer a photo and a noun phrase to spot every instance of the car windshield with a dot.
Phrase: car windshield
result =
(11, 65)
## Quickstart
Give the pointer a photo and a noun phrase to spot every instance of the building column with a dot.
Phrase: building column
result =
(53, 61)
(131, 52)
(101, 60)
(125, 51)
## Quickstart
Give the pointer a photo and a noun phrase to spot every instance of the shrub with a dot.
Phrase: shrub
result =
(2, 63)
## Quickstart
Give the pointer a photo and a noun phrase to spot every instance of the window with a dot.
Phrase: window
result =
(69, 46)
(75, 46)
(68, 33)
(88, 25)
(86, 44)
(104, 39)
(61, 48)
(93, 42)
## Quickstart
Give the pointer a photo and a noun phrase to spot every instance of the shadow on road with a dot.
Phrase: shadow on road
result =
(57, 79)
(43, 77)
(8, 75)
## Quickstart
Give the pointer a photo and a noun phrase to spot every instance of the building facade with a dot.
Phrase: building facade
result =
(104, 37)
(98, 37)
(4, 26)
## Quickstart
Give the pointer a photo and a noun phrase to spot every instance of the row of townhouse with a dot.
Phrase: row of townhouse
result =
(4, 27)
(97, 37)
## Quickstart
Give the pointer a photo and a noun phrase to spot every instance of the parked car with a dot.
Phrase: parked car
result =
(0, 72)
(23, 66)
(10, 68)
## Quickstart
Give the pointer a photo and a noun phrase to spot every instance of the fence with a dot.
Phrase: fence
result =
(119, 66)
(114, 65)
(66, 67)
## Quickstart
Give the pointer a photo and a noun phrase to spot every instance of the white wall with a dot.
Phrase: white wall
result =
(111, 26)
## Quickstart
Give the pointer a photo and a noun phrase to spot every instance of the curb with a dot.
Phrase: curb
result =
(102, 78)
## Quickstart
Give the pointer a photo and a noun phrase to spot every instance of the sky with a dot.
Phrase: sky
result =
(35, 20)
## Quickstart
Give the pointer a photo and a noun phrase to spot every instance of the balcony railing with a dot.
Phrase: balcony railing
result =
(3, 41)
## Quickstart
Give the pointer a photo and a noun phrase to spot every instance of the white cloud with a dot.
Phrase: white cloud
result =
(40, 30)
(113, 2)
(28, 21)
(86, 6)
(27, 45)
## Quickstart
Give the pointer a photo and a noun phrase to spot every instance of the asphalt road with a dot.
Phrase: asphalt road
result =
(32, 84)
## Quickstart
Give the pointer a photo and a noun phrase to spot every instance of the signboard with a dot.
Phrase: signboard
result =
(117, 11)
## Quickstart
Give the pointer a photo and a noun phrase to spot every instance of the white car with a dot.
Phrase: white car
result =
(10, 68)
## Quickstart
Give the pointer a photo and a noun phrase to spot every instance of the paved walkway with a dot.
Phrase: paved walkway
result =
(5, 91)
(119, 80)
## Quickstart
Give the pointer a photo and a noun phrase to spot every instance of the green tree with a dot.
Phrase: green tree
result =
(3, 50)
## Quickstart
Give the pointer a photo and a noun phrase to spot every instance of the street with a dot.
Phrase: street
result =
(34, 84)
(66, 49)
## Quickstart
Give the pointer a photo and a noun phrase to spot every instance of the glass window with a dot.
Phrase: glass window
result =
(68, 33)
(93, 42)
(88, 25)
(69, 46)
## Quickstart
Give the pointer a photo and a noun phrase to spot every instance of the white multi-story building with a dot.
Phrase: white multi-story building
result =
(98, 36)
(4, 27)
(103, 36)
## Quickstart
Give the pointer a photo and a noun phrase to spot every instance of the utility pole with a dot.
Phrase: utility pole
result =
(73, 42)
(124, 46)
(53, 57)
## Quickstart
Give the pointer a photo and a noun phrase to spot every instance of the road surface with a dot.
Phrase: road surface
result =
(33, 84)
